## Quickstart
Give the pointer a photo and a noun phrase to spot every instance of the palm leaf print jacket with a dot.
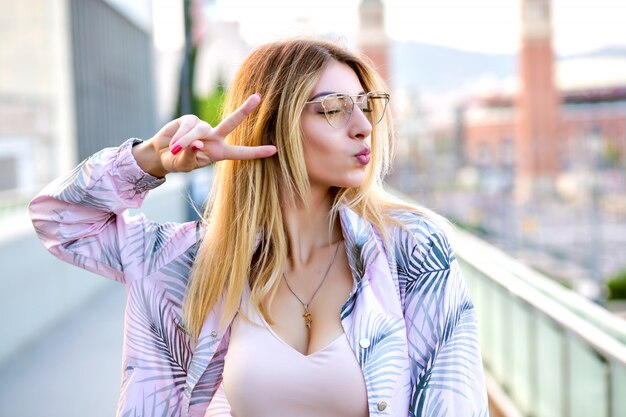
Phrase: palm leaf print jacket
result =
(409, 317)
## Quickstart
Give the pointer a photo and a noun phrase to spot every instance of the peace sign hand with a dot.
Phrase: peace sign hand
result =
(188, 143)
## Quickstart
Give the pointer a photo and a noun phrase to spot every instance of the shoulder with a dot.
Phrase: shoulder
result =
(418, 220)
(170, 247)
(419, 234)
(418, 225)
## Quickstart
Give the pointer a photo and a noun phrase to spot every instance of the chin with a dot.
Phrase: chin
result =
(352, 182)
(352, 179)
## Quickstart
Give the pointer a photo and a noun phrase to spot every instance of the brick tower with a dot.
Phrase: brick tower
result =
(372, 38)
(537, 144)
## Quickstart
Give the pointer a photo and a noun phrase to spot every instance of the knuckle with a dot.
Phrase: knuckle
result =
(205, 128)
(190, 119)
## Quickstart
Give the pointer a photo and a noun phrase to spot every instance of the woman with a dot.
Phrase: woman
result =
(306, 290)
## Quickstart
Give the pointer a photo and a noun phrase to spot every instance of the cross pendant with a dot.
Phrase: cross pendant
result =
(307, 317)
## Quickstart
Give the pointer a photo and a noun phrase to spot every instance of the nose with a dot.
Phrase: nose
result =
(359, 126)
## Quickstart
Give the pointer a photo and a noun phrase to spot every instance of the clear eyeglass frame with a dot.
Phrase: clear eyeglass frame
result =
(338, 107)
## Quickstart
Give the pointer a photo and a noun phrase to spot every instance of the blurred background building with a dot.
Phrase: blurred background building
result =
(79, 79)
(521, 145)
(545, 128)
(555, 144)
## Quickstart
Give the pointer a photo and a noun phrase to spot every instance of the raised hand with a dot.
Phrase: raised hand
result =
(188, 143)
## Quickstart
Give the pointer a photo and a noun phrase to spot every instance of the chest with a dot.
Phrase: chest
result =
(306, 310)
(261, 370)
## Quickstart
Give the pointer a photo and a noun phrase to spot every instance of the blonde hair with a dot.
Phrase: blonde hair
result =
(245, 205)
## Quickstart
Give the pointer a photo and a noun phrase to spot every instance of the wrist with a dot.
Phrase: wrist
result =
(149, 159)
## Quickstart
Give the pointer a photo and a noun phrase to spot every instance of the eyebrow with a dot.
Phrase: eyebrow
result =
(326, 93)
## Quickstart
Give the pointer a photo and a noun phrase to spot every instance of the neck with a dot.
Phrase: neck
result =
(308, 228)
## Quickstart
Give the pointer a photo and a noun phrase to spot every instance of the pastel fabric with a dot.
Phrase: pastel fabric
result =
(409, 318)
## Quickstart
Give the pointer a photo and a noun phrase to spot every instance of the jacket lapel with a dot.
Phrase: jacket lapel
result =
(211, 348)
(360, 242)
(372, 317)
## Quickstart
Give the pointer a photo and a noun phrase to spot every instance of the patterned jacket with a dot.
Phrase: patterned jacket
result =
(409, 317)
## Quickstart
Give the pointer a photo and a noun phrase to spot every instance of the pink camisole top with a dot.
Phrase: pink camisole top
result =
(266, 377)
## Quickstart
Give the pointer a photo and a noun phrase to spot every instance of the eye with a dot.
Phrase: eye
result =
(366, 107)
(318, 108)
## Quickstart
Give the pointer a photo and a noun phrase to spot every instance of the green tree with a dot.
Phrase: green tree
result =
(210, 108)
(616, 286)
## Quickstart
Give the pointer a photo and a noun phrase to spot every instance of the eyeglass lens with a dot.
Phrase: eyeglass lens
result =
(339, 108)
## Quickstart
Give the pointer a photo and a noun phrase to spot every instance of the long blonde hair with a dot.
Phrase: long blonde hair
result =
(244, 210)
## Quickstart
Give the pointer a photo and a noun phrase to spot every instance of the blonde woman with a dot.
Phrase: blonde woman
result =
(306, 290)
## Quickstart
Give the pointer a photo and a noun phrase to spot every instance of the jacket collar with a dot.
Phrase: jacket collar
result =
(361, 239)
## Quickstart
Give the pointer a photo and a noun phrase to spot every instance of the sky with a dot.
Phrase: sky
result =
(490, 26)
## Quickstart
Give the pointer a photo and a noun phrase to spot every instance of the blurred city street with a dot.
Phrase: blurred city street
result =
(73, 368)
(567, 242)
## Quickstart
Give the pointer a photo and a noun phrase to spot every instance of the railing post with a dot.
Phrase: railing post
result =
(566, 396)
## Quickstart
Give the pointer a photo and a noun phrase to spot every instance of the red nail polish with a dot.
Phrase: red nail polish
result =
(176, 149)
(194, 148)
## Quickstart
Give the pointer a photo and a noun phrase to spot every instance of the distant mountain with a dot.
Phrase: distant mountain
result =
(425, 68)
(609, 51)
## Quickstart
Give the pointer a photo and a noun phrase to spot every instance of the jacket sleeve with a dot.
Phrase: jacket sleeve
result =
(446, 367)
(82, 218)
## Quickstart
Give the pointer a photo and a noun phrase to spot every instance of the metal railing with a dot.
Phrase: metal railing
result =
(553, 353)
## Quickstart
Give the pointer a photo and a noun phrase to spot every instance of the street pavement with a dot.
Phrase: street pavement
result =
(74, 368)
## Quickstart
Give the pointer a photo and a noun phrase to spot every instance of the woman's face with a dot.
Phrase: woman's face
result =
(335, 157)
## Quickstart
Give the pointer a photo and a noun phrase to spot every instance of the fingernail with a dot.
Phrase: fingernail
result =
(176, 149)
(258, 94)
(194, 148)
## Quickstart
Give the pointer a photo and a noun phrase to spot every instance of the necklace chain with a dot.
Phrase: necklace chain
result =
(307, 314)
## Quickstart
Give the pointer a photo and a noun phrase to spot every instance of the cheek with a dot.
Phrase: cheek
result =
(327, 156)
(317, 142)
(319, 159)
(322, 149)
(333, 167)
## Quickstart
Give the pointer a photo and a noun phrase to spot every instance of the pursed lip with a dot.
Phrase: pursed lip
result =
(364, 151)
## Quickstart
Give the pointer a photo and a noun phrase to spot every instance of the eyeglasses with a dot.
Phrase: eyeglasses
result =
(338, 107)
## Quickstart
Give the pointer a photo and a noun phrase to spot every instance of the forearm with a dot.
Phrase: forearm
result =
(110, 181)
(148, 158)
(78, 217)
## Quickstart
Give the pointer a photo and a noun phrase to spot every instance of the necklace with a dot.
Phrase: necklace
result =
(307, 314)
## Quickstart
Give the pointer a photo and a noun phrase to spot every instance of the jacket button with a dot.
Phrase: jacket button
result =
(382, 406)
(364, 343)
(213, 333)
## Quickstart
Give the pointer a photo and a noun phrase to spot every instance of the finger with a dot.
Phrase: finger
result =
(196, 145)
(186, 160)
(234, 119)
(170, 129)
(248, 152)
(199, 131)
(185, 124)
(202, 160)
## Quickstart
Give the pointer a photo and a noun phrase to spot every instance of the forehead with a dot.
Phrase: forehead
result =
(338, 77)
